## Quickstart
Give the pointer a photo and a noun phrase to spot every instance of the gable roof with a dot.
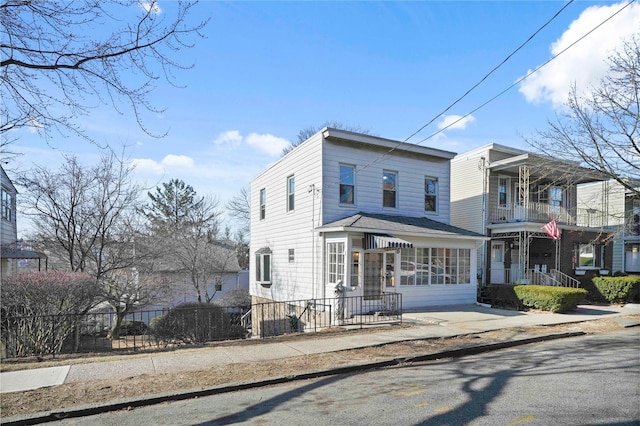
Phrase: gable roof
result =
(399, 225)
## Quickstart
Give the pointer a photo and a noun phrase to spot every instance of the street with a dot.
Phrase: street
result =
(586, 380)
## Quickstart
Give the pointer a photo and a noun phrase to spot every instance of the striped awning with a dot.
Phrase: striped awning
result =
(382, 241)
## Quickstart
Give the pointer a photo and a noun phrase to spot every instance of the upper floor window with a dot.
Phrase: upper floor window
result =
(347, 184)
(263, 203)
(6, 205)
(430, 194)
(291, 190)
(555, 198)
(503, 192)
(389, 193)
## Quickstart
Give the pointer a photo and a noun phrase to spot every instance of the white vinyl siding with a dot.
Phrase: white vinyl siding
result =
(466, 194)
(368, 188)
(282, 230)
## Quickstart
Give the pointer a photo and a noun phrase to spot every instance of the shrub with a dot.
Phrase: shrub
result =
(554, 299)
(502, 296)
(195, 323)
(40, 309)
(131, 328)
(619, 289)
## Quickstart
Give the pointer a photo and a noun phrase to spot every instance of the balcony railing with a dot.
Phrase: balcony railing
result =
(544, 212)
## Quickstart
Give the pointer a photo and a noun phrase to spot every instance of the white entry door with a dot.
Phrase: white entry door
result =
(497, 262)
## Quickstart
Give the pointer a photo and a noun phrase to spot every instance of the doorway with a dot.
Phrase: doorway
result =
(497, 262)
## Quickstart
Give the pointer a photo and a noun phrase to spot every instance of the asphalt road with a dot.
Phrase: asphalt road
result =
(589, 380)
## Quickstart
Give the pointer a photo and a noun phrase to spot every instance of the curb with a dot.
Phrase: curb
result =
(46, 417)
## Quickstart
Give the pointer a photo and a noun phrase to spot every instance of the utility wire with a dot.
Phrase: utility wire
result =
(521, 79)
(492, 71)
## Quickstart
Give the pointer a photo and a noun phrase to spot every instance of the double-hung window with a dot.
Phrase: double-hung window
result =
(389, 189)
(291, 190)
(263, 266)
(7, 205)
(430, 194)
(263, 203)
(347, 184)
(503, 192)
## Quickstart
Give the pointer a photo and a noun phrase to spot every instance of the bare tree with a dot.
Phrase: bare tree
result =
(601, 130)
(185, 227)
(239, 208)
(307, 132)
(85, 221)
(80, 213)
(60, 58)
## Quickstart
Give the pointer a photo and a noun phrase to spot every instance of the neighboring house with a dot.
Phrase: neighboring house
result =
(509, 195)
(367, 212)
(619, 209)
(11, 251)
(224, 274)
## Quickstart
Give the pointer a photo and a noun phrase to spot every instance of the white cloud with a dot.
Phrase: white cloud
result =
(230, 137)
(268, 143)
(151, 6)
(179, 161)
(146, 165)
(170, 161)
(584, 64)
(455, 122)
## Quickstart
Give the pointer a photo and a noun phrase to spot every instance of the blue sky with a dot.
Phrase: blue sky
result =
(266, 70)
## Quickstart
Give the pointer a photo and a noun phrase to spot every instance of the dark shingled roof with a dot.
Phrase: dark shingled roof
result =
(398, 225)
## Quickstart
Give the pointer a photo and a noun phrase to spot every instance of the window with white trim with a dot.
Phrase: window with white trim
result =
(588, 256)
(347, 184)
(430, 194)
(263, 266)
(335, 262)
(434, 265)
(6, 205)
(263, 203)
(504, 194)
(355, 268)
(389, 186)
(291, 190)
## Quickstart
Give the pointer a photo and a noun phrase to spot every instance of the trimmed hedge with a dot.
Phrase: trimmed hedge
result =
(554, 299)
(501, 296)
(619, 289)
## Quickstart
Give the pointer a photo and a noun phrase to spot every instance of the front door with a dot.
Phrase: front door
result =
(373, 276)
(497, 262)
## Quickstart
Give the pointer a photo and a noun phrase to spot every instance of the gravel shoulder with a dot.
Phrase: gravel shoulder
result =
(73, 394)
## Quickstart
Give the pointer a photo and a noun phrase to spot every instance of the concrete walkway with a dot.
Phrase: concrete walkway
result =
(427, 323)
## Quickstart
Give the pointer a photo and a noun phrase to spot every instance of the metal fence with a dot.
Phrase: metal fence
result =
(276, 318)
(54, 335)
(51, 335)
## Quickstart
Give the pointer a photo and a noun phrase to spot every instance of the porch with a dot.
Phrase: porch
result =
(545, 212)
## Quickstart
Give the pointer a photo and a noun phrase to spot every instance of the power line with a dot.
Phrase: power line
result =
(492, 71)
(521, 79)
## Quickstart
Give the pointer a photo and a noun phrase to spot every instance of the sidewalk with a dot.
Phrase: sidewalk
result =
(427, 323)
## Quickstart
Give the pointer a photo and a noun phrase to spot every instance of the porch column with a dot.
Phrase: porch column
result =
(523, 188)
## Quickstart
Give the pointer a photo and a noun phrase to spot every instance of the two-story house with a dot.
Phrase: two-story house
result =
(368, 212)
(618, 210)
(509, 195)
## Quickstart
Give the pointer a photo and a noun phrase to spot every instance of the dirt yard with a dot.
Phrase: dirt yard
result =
(69, 395)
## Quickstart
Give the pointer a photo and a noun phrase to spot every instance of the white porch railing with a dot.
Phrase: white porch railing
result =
(532, 276)
(544, 212)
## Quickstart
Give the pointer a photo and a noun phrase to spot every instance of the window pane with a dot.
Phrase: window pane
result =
(355, 268)
(389, 189)
(430, 194)
(258, 267)
(347, 184)
(290, 193)
(267, 267)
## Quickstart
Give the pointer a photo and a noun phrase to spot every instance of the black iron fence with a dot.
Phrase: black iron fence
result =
(97, 332)
(24, 336)
(276, 318)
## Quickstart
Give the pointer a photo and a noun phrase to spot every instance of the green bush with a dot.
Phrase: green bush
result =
(131, 328)
(195, 323)
(501, 296)
(619, 289)
(554, 299)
